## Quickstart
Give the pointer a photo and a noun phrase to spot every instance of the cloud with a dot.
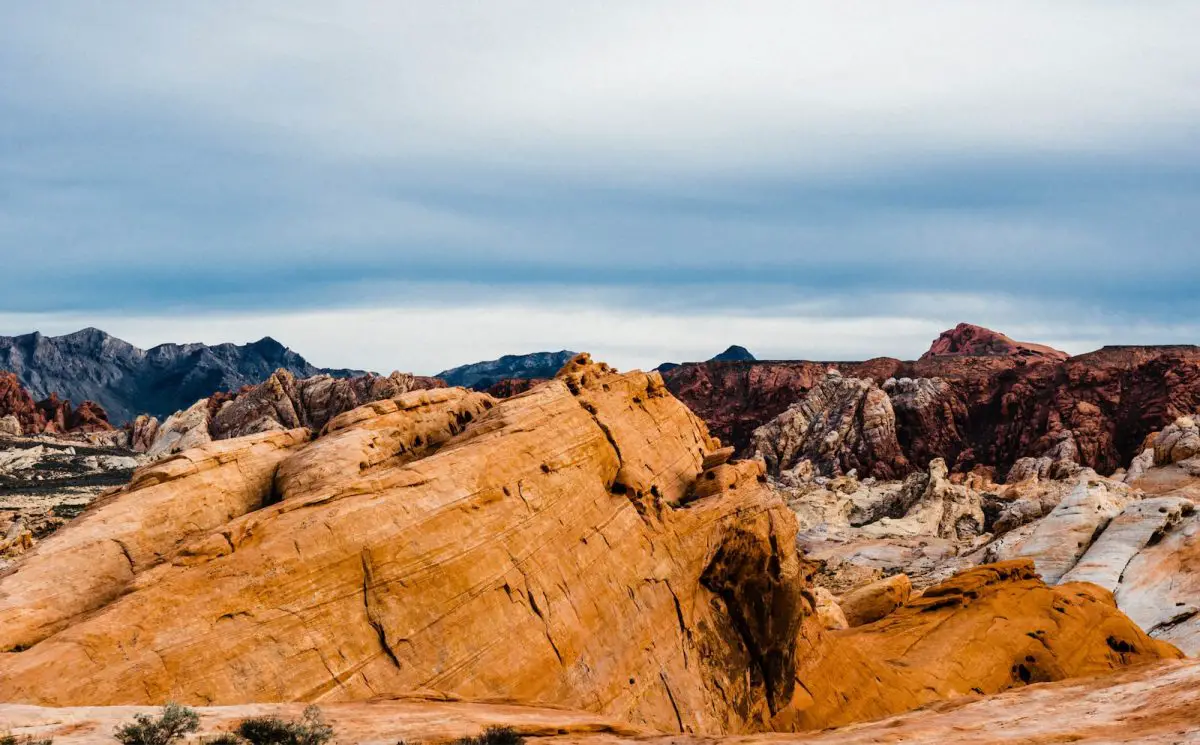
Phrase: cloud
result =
(687, 160)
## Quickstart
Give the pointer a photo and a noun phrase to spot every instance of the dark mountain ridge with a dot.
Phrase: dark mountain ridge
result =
(484, 375)
(126, 380)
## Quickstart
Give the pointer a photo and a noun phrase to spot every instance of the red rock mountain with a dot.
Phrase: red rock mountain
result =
(1014, 400)
(967, 340)
(51, 415)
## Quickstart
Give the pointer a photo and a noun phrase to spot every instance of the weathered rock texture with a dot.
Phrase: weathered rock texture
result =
(585, 544)
(967, 340)
(984, 631)
(1143, 704)
(1094, 410)
(514, 561)
(23, 416)
(842, 425)
(279, 403)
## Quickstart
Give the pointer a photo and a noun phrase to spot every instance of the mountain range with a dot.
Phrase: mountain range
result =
(91, 365)
(483, 375)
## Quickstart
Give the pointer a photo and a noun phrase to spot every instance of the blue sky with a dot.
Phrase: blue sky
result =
(416, 185)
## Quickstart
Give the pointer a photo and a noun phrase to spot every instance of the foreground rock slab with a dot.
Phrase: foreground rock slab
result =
(1147, 704)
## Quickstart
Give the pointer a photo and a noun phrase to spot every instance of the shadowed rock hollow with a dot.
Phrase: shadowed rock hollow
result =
(585, 544)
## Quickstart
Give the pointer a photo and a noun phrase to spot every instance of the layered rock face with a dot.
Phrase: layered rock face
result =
(513, 561)
(1018, 401)
(984, 631)
(584, 544)
(842, 425)
(281, 402)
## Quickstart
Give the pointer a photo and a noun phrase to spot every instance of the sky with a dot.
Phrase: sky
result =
(416, 185)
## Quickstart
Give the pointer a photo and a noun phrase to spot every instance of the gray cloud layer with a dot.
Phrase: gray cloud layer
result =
(1008, 159)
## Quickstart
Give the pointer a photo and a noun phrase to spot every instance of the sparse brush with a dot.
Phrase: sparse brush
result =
(310, 729)
(11, 739)
(225, 738)
(494, 736)
(172, 724)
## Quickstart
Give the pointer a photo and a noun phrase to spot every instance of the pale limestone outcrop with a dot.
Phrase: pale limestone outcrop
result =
(10, 426)
(1058, 540)
(1177, 442)
(181, 431)
(843, 424)
(938, 508)
(1128, 533)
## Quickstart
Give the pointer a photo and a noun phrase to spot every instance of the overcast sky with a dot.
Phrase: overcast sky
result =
(399, 185)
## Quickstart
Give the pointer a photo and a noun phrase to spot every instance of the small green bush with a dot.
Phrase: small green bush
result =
(494, 736)
(172, 724)
(310, 729)
(10, 739)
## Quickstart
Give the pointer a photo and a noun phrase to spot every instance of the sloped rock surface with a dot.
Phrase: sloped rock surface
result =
(985, 631)
(279, 403)
(512, 561)
(1143, 704)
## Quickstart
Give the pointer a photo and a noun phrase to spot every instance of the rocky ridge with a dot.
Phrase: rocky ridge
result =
(281, 402)
(993, 411)
(535, 549)
(127, 381)
(484, 375)
(21, 415)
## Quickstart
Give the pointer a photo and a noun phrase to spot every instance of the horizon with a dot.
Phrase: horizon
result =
(385, 371)
(411, 187)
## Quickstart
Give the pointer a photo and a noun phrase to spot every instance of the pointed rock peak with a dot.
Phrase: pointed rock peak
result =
(734, 353)
(968, 340)
(268, 343)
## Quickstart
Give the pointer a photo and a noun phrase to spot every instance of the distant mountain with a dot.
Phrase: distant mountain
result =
(125, 380)
(483, 375)
(734, 354)
(968, 340)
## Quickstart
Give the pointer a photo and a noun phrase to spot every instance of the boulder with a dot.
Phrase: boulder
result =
(876, 600)
(10, 426)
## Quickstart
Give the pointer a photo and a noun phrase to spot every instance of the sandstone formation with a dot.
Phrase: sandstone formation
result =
(279, 403)
(984, 631)
(967, 340)
(21, 415)
(585, 544)
(842, 425)
(1143, 704)
(510, 387)
(976, 404)
(874, 601)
